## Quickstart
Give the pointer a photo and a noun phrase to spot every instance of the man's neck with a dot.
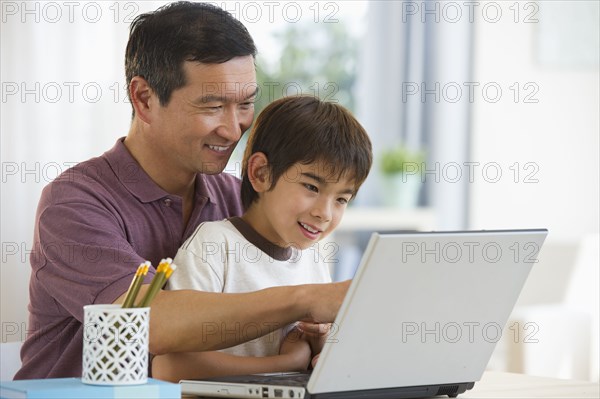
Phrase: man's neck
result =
(168, 176)
(161, 170)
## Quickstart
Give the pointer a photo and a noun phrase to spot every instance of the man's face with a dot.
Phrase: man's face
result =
(199, 128)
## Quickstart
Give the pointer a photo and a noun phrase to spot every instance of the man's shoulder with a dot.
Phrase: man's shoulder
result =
(102, 176)
(92, 181)
(84, 177)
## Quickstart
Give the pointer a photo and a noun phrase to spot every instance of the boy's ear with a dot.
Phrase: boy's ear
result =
(258, 172)
(142, 96)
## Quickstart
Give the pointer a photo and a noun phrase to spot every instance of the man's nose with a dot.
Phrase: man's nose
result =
(230, 126)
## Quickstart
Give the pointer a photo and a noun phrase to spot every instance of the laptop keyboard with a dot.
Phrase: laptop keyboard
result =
(289, 379)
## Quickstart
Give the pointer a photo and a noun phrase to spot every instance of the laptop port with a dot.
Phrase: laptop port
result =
(265, 392)
(278, 393)
(291, 393)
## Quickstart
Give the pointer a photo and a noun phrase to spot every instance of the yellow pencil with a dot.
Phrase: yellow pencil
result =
(158, 281)
(135, 285)
(168, 274)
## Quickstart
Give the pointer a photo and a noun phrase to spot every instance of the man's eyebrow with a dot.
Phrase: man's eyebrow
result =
(321, 180)
(209, 98)
(252, 94)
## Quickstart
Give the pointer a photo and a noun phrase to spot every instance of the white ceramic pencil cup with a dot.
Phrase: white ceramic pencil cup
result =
(115, 345)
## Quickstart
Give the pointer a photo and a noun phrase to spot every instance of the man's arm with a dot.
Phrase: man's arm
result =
(191, 321)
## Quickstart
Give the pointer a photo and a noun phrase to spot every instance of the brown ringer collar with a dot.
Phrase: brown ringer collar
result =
(274, 251)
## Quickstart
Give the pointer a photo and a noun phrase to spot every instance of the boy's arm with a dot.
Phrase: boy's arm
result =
(194, 365)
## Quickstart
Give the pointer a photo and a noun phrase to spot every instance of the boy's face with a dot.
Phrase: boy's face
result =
(305, 206)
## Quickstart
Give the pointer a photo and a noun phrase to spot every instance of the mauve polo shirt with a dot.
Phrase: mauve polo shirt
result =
(95, 224)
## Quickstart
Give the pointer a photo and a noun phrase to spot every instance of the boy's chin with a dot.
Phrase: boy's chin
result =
(305, 245)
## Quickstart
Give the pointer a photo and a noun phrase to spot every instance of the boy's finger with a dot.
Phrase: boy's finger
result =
(314, 328)
(313, 363)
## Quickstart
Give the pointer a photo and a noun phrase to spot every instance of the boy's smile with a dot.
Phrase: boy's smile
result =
(310, 231)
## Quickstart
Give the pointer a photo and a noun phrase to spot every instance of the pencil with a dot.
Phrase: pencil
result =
(136, 284)
(168, 274)
(163, 272)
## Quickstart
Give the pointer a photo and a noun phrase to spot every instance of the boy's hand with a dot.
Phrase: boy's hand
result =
(315, 334)
(296, 348)
(313, 362)
(308, 327)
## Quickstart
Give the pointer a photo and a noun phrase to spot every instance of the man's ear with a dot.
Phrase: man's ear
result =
(141, 95)
(258, 172)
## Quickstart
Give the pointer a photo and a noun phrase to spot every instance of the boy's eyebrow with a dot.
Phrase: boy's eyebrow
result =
(209, 98)
(321, 180)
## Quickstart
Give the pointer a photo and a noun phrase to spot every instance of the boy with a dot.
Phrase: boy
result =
(304, 161)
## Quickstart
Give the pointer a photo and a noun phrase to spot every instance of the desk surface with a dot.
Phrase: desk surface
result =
(499, 385)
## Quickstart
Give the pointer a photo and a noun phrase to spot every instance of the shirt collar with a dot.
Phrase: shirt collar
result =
(203, 189)
(137, 182)
(131, 175)
(274, 251)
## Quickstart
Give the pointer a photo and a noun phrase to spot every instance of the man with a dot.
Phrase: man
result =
(191, 79)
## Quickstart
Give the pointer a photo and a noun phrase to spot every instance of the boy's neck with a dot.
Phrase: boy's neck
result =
(252, 216)
(253, 236)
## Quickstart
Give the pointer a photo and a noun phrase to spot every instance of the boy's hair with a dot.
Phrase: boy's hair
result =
(161, 41)
(304, 129)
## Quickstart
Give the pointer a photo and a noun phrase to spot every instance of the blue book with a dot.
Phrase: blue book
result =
(68, 388)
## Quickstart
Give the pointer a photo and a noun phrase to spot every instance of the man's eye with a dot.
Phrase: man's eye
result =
(247, 105)
(212, 107)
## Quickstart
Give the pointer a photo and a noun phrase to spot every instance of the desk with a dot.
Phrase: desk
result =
(499, 385)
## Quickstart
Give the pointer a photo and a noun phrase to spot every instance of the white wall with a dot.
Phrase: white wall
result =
(554, 140)
(63, 101)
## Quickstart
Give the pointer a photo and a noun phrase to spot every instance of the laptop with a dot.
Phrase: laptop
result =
(421, 318)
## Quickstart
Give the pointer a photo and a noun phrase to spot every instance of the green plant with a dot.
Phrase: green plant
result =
(400, 159)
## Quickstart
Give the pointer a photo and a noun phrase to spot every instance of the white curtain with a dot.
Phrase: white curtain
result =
(410, 55)
(63, 101)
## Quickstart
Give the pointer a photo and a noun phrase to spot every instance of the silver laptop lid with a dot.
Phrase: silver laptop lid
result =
(425, 308)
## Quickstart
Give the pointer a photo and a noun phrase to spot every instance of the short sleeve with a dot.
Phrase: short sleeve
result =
(84, 256)
(200, 265)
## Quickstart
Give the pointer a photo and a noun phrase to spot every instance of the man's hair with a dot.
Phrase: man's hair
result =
(304, 129)
(161, 41)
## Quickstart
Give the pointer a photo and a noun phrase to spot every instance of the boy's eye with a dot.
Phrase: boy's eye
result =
(311, 187)
(343, 201)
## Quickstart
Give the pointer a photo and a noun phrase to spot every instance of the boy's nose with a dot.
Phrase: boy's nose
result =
(322, 210)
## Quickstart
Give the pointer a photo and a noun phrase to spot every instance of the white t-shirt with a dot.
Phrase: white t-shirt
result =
(230, 256)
